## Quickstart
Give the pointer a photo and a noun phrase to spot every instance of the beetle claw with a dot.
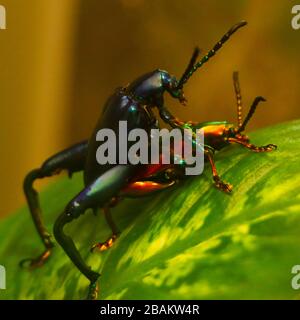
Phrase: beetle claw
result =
(93, 291)
(102, 246)
(223, 186)
(33, 263)
(271, 147)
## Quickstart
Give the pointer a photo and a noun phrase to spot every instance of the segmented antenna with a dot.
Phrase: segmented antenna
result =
(238, 96)
(212, 52)
(189, 67)
(255, 103)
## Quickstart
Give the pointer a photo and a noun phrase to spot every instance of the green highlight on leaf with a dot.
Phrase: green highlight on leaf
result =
(189, 242)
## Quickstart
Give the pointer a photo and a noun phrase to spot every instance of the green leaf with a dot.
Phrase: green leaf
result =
(191, 242)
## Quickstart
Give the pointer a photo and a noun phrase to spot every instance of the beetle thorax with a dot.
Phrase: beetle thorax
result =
(215, 135)
(148, 88)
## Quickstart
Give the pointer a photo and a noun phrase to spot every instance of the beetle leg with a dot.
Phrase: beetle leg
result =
(168, 118)
(221, 185)
(144, 188)
(98, 193)
(73, 160)
(267, 148)
(133, 190)
(101, 246)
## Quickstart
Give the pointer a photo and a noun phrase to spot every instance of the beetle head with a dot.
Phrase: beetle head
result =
(170, 84)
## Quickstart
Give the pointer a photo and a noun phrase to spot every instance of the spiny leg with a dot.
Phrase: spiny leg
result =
(97, 194)
(221, 185)
(101, 246)
(135, 189)
(69, 247)
(35, 210)
(267, 148)
(71, 159)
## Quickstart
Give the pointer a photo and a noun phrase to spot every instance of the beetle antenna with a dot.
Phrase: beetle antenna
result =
(255, 103)
(238, 96)
(212, 52)
(189, 67)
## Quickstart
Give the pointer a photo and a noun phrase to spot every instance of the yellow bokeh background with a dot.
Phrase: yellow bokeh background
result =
(61, 59)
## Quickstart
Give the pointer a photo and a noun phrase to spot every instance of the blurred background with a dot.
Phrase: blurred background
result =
(61, 59)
